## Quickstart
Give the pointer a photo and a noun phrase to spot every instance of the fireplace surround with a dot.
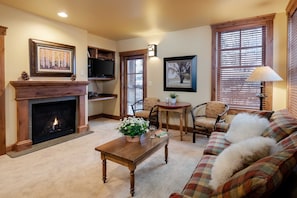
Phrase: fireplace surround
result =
(25, 91)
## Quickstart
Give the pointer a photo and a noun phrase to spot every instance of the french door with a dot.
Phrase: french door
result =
(133, 79)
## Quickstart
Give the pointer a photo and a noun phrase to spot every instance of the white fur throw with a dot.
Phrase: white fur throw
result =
(238, 156)
(245, 125)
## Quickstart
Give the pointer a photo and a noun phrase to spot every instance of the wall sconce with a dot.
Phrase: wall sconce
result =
(152, 50)
(263, 74)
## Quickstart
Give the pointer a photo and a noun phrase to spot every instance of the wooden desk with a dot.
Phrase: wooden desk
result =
(179, 107)
(130, 154)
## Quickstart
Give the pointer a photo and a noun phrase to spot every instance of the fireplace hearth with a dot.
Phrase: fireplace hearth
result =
(51, 120)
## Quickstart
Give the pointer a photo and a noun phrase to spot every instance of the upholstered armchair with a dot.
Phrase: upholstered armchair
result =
(206, 115)
(147, 109)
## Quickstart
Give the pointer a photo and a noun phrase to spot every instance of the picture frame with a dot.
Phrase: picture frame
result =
(180, 73)
(51, 59)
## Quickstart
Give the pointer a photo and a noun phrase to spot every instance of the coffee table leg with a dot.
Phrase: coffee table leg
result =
(166, 153)
(132, 179)
(103, 168)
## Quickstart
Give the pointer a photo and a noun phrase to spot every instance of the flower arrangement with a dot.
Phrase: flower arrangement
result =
(133, 126)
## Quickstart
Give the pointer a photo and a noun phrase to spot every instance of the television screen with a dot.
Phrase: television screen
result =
(102, 68)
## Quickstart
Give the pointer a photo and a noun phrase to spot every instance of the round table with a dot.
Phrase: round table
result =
(179, 107)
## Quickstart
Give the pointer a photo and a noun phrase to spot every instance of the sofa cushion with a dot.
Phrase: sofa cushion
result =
(216, 143)
(289, 142)
(245, 125)
(239, 155)
(261, 178)
(198, 184)
(282, 125)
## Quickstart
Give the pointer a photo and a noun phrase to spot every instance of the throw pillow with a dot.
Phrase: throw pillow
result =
(238, 156)
(245, 125)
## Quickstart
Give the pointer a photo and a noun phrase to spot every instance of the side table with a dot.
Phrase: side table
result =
(179, 107)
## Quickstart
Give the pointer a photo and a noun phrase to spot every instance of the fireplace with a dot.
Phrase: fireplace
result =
(27, 91)
(52, 119)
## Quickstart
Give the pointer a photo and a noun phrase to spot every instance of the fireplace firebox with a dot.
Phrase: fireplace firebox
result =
(51, 120)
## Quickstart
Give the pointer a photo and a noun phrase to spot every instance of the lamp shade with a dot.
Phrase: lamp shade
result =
(264, 74)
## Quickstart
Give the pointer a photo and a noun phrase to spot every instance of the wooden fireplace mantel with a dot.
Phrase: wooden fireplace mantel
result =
(29, 90)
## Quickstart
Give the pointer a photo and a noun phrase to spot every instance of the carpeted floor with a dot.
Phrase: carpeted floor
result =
(73, 168)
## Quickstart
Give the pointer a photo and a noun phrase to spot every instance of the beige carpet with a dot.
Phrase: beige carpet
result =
(73, 169)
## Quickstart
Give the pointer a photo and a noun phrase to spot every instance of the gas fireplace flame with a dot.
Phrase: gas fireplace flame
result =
(55, 123)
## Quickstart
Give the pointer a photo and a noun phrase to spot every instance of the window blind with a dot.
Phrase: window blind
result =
(239, 53)
(292, 66)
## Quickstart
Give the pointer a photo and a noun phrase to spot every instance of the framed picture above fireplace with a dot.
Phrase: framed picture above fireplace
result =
(51, 59)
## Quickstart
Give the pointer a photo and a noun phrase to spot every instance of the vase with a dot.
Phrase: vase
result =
(173, 100)
(132, 139)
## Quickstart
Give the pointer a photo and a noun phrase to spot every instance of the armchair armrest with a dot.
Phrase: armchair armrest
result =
(135, 106)
(196, 108)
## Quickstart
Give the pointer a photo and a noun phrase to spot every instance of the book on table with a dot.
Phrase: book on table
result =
(160, 133)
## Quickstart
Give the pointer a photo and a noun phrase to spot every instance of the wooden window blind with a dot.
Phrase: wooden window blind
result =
(237, 50)
(292, 58)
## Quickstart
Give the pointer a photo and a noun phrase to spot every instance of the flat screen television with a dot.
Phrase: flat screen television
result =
(100, 68)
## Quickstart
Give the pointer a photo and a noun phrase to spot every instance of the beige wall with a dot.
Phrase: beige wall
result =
(21, 27)
(280, 61)
(195, 41)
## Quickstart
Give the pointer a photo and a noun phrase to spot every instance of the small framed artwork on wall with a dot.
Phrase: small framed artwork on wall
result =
(51, 59)
(180, 73)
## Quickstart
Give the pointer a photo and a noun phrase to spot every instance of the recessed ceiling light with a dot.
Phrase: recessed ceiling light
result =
(62, 14)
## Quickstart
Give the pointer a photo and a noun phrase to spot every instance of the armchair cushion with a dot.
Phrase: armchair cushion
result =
(208, 123)
(214, 108)
(150, 103)
(142, 113)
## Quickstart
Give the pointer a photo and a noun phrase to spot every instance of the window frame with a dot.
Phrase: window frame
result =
(265, 20)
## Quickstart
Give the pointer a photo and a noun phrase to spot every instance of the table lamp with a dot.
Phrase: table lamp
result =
(263, 74)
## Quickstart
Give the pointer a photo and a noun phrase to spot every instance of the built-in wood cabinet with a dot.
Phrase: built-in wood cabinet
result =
(102, 54)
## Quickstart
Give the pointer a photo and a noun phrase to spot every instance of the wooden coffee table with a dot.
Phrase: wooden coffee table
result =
(130, 154)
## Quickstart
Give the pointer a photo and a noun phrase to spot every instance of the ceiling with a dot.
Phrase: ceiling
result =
(124, 19)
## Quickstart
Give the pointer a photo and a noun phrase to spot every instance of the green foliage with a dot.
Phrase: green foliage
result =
(173, 95)
(133, 126)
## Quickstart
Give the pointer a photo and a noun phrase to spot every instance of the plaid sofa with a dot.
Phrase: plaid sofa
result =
(259, 179)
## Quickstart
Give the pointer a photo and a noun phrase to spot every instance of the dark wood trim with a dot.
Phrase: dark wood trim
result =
(124, 56)
(2, 93)
(103, 115)
(292, 6)
(28, 90)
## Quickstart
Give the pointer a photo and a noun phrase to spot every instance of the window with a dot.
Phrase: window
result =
(292, 58)
(238, 48)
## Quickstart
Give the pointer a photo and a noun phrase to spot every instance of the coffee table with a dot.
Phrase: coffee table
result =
(131, 154)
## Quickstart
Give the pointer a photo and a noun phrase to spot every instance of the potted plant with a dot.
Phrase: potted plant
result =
(173, 98)
(133, 128)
